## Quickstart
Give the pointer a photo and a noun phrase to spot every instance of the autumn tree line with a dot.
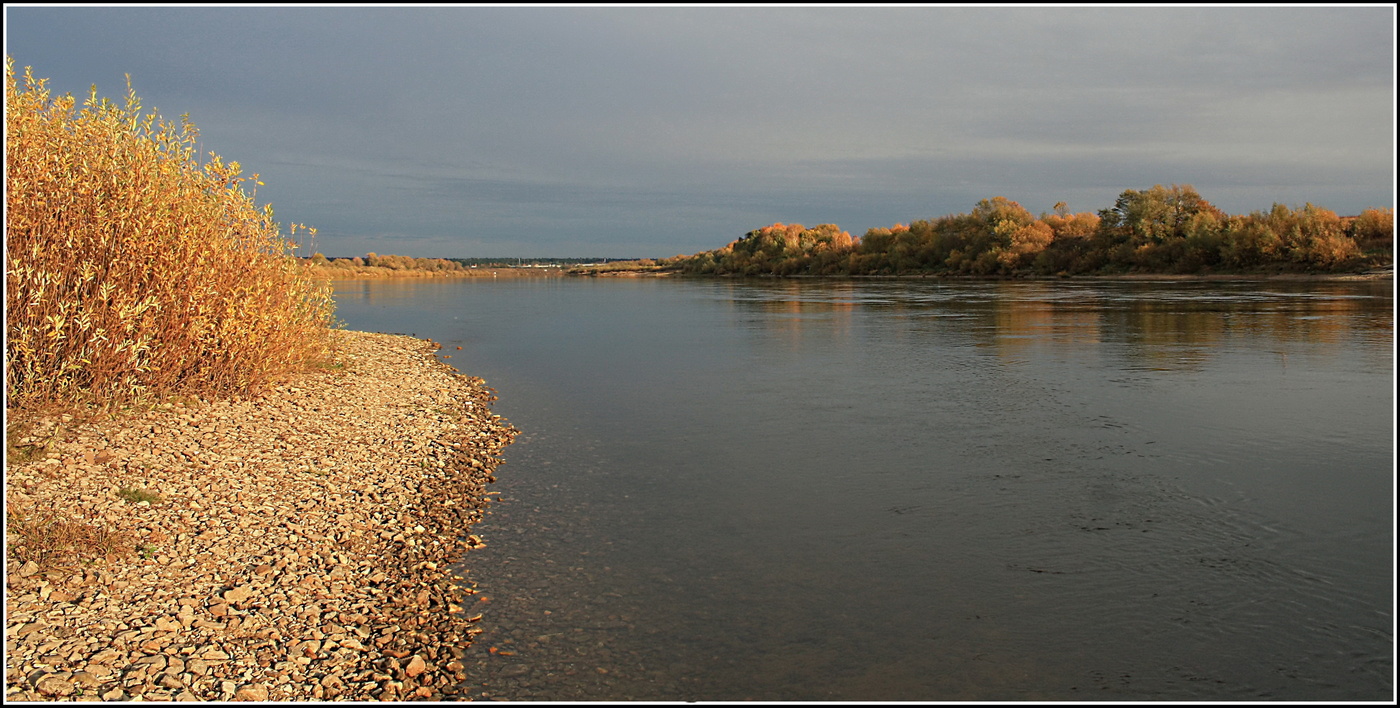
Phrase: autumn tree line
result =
(1159, 230)
(373, 265)
(390, 262)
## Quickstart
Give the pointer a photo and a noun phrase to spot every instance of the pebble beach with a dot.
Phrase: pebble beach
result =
(293, 546)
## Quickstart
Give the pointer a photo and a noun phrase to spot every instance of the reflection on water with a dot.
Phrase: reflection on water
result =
(1156, 320)
(924, 490)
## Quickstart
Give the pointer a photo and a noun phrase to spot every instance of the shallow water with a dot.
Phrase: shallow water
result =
(920, 490)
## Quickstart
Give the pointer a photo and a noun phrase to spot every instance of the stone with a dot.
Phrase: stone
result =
(54, 686)
(415, 666)
(86, 679)
(105, 657)
(30, 628)
(251, 692)
(99, 670)
(156, 662)
(271, 514)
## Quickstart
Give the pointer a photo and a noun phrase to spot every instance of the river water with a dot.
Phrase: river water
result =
(927, 490)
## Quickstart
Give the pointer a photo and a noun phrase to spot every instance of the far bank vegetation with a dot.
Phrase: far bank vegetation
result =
(373, 265)
(1164, 230)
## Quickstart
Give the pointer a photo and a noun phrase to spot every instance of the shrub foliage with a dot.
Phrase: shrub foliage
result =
(133, 271)
(1159, 230)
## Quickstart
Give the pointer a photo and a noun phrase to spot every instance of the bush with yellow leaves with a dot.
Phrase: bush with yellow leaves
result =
(132, 271)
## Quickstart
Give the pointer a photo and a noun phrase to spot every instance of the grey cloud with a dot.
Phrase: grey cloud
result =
(664, 129)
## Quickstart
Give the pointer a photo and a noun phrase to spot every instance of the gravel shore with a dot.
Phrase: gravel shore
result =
(292, 546)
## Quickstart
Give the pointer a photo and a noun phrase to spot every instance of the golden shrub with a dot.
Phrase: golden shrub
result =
(134, 272)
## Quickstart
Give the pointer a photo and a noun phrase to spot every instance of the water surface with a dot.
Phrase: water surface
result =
(923, 490)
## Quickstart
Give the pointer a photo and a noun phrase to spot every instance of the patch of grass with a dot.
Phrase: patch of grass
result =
(325, 365)
(52, 542)
(20, 447)
(136, 496)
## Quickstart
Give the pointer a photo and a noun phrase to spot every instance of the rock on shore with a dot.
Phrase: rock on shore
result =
(288, 547)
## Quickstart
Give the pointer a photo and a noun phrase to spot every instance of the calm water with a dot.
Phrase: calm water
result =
(917, 490)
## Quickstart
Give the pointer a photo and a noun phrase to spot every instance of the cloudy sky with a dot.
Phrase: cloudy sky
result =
(652, 131)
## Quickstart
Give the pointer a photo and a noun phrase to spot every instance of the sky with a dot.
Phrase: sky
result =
(644, 132)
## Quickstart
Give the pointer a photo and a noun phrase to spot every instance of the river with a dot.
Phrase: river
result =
(927, 490)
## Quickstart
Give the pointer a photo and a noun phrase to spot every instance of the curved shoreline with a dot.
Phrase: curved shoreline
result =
(298, 548)
(1387, 273)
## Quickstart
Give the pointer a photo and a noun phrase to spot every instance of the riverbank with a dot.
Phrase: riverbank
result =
(378, 272)
(1375, 274)
(288, 547)
(1386, 273)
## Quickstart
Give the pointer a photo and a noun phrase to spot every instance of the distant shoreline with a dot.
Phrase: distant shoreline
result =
(1368, 275)
(1387, 273)
(380, 273)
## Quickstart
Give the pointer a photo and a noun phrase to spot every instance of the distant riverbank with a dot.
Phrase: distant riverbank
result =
(1371, 274)
(380, 272)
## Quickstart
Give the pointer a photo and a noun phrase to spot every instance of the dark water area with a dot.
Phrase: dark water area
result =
(927, 491)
